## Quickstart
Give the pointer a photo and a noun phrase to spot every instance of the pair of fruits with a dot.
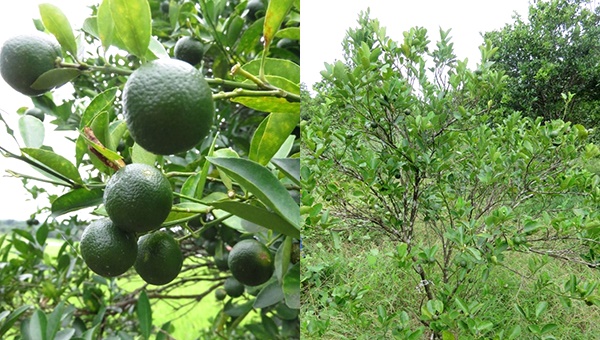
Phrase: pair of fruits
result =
(137, 199)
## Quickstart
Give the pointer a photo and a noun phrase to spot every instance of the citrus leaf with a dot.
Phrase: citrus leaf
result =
(270, 135)
(156, 50)
(282, 258)
(75, 200)
(289, 33)
(263, 184)
(140, 155)
(37, 325)
(259, 216)
(12, 318)
(32, 131)
(55, 77)
(275, 67)
(269, 295)
(132, 24)
(291, 287)
(105, 26)
(144, 313)
(290, 167)
(251, 37)
(181, 214)
(102, 102)
(57, 23)
(276, 12)
(54, 320)
(55, 162)
(268, 104)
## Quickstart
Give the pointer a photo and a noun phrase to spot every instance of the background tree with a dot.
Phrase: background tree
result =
(403, 140)
(238, 183)
(554, 51)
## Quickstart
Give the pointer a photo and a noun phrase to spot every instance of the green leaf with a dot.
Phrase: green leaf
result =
(132, 24)
(141, 155)
(32, 131)
(164, 332)
(269, 295)
(251, 37)
(291, 287)
(269, 104)
(282, 258)
(270, 135)
(55, 162)
(515, 333)
(12, 318)
(105, 25)
(55, 77)
(276, 12)
(290, 167)
(263, 184)
(289, 33)
(75, 200)
(57, 23)
(276, 67)
(259, 216)
(144, 313)
(54, 320)
(540, 308)
(101, 102)
(37, 326)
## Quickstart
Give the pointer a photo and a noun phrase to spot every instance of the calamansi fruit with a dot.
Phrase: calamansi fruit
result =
(159, 258)
(189, 50)
(168, 106)
(251, 262)
(138, 198)
(106, 249)
(25, 57)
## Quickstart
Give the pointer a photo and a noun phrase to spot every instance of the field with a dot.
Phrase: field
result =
(352, 288)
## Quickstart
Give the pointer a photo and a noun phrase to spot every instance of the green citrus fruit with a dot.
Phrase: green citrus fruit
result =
(164, 7)
(210, 246)
(25, 57)
(233, 287)
(35, 112)
(220, 294)
(138, 198)
(251, 262)
(106, 249)
(168, 106)
(189, 50)
(221, 261)
(159, 258)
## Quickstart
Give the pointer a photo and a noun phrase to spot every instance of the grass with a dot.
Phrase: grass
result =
(357, 291)
(187, 316)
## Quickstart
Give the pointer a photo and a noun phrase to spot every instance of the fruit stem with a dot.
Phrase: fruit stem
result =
(105, 68)
(248, 93)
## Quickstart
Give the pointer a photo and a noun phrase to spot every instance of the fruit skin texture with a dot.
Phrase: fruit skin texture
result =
(233, 287)
(159, 258)
(168, 106)
(106, 249)
(25, 57)
(251, 262)
(138, 198)
(189, 50)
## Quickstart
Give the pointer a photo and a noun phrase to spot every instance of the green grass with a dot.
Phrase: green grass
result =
(187, 316)
(346, 288)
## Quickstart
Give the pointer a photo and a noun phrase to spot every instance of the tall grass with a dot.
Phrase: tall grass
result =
(353, 290)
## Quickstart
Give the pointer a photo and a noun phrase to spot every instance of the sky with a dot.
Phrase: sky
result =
(15, 202)
(325, 22)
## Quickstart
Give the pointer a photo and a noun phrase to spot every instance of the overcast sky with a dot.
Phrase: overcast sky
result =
(324, 25)
(15, 202)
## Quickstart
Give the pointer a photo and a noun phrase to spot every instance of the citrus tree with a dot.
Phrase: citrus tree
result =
(184, 183)
(405, 140)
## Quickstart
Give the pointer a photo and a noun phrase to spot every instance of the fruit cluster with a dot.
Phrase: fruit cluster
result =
(137, 199)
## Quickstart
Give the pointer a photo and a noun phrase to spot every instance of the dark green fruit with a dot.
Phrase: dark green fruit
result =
(35, 112)
(233, 287)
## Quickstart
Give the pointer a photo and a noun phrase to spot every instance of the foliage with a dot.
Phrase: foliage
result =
(239, 181)
(411, 143)
(552, 53)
